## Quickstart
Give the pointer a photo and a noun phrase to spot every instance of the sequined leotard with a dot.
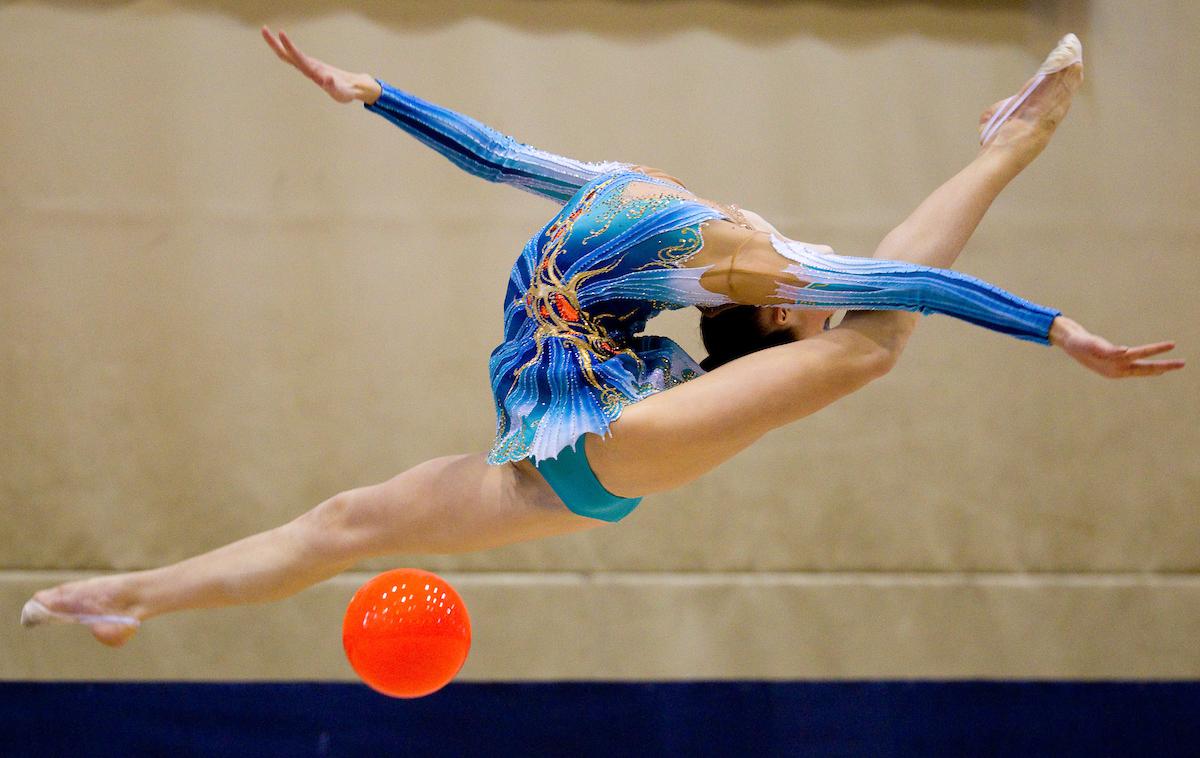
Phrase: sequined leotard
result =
(616, 254)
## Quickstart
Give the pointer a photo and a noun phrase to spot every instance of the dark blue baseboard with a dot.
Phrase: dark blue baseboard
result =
(604, 719)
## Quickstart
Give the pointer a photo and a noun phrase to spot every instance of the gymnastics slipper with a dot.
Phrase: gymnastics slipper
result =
(35, 613)
(1068, 52)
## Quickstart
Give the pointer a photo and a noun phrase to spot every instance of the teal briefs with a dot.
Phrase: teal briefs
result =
(572, 479)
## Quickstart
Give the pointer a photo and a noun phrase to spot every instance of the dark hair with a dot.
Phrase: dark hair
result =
(735, 331)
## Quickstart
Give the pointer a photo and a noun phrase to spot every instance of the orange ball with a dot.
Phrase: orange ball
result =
(406, 632)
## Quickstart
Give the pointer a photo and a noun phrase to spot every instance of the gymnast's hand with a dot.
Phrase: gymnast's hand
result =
(342, 86)
(1107, 359)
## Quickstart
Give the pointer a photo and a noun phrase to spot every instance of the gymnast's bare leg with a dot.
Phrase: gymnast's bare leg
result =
(451, 504)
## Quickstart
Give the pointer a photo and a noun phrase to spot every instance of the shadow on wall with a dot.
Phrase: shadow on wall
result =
(839, 21)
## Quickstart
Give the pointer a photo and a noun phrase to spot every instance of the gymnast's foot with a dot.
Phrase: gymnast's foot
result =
(102, 604)
(1021, 125)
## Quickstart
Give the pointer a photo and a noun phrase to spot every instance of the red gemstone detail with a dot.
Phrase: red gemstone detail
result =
(564, 308)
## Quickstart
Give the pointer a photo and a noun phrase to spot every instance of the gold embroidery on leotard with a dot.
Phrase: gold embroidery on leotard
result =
(554, 303)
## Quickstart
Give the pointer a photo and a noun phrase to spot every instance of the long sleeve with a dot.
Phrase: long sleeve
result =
(485, 152)
(839, 282)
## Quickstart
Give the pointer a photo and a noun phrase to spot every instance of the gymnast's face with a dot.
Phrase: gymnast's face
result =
(799, 322)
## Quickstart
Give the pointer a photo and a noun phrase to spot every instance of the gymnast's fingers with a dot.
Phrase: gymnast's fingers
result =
(1152, 368)
(276, 47)
(303, 62)
(1145, 351)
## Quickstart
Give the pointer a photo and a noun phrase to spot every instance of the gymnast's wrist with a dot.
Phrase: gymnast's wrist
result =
(366, 88)
(1060, 329)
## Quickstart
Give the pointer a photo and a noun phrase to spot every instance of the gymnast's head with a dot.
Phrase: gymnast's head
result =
(737, 330)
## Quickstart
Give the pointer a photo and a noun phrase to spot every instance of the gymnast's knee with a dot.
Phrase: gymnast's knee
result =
(884, 335)
(885, 360)
(337, 526)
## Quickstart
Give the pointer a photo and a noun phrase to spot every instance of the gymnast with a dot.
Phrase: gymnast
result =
(591, 414)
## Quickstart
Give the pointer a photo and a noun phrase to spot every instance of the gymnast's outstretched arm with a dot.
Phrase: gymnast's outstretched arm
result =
(472, 146)
(757, 268)
(766, 269)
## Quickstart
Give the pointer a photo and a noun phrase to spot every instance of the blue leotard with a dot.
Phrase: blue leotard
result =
(585, 284)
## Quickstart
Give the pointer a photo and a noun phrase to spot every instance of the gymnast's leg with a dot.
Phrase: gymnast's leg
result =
(451, 504)
(708, 420)
(935, 233)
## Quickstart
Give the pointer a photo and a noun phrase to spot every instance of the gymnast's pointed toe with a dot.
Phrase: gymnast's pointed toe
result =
(1051, 103)
(34, 613)
(1068, 52)
(111, 629)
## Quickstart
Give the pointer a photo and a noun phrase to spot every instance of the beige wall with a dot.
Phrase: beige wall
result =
(224, 298)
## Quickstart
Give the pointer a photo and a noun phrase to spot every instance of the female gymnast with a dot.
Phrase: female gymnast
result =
(592, 415)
